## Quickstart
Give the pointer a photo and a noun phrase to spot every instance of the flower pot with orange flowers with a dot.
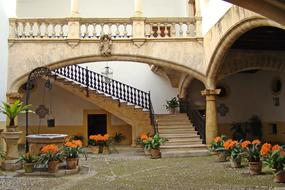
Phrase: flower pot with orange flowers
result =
(101, 141)
(71, 151)
(217, 146)
(252, 153)
(235, 151)
(50, 156)
(274, 158)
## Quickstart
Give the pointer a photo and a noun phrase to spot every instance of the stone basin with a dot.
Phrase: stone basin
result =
(37, 141)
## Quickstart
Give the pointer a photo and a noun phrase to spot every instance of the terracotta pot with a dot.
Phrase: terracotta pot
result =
(12, 128)
(94, 149)
(77, 161)
(100, 149)
(235, 163)
(29, 167)
(106, 150)
(255, 168)
(146, 152)
(53, 166)
(71, 163)
(155, 153)
(279, 177)
(222, 157)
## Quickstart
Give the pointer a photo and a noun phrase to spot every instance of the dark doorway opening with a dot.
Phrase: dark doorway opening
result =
(97, 124)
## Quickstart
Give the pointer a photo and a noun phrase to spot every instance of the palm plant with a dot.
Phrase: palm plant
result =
(13, 110)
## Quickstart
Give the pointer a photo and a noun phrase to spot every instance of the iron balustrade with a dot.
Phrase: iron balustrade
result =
(95, 81)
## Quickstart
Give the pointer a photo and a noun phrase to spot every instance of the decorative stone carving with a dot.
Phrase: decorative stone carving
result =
(208, 92)
(105, 45)
(14, 96)
(223, 110)
(42, 111)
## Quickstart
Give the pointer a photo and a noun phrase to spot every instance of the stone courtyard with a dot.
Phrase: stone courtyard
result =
(130, 169)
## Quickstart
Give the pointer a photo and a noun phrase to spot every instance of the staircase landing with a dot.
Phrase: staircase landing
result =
(183, 140)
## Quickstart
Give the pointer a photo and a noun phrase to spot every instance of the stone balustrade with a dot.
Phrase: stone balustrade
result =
(170, 27)
(93, 28)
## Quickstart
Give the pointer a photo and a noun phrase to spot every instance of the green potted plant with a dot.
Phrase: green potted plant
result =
(101, 141)
(119, 137)
(172, 105)
(274, 158)
(50, 156)
(71, 151)
(154, 145)
(217, 146)
(28, 161)
(252, 153)
(12, 111)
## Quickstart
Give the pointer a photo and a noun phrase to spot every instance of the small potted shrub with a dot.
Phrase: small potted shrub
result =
(50, 156)
(218, 146)
(71, 151)
(154, 145)
(12, 111)
(172, 105)
(28, 161)
(252, 153)
(274, 158)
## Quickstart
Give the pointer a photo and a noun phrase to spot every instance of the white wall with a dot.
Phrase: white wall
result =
(100, 8)
(140, 76)
(251, 94)
(7, 8)
(212, 11)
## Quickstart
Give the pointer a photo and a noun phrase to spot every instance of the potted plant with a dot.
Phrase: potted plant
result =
(154, 145)
(274, 158)
(50, 156)
(144, 140)
(12, 111)
(235, 151)
(217, 146)
(172, 105)
(28, 162)
(100, 141)
(71, 151)
(252, 153)
(119, 137)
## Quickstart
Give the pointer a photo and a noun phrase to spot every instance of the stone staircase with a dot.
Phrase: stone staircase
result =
(183, 140)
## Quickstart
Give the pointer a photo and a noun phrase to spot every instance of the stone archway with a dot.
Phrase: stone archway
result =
(229, 38)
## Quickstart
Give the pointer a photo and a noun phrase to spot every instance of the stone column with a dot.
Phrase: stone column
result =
(138, 8)
(74, 8)
(190, 8)
(211, 114)
(198, 18)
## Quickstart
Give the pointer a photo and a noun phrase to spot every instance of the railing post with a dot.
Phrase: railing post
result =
(138, 30)
(73, 35)
(87, 81)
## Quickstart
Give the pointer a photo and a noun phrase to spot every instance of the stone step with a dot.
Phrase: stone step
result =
(178, 143)
(173, 127)
(177, 132)
(184, 141)
(173, 123)
(172, 135)
(184, 153)
(184, 147)
(171, 115)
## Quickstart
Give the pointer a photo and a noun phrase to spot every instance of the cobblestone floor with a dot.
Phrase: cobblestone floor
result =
(129, 170)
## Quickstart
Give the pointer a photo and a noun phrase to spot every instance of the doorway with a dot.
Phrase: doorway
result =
(97, 124)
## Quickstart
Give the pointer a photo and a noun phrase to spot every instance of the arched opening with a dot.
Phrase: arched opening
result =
(251, 79)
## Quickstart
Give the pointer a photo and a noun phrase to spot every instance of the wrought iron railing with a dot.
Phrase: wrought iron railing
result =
(196, 118)
(95, 81)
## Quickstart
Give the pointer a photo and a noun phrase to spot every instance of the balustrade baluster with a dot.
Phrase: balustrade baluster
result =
(53, 30)
(188, 29)
(117, 31)
(125, 30)
(146, 103)
(61, 30)
(102, 29)
(166, 32)
(151, 30)
(159, 33)
(86, 30)
(140, 98)
(181, 29)
(173, 30)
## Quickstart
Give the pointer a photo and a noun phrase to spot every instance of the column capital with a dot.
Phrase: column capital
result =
(210, 92)
(11, 97)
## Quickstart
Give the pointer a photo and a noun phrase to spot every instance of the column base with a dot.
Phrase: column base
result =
(11, 165)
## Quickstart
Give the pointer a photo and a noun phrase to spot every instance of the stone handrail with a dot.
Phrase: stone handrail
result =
(93, 28)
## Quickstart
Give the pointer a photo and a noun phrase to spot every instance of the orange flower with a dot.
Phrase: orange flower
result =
(99, 137)
(144, 136)
(51, 148)
(244, 144)
(276, 147)
(265, 149)
(78, 143)
(256, 141)
(218, 139)
(229, 144)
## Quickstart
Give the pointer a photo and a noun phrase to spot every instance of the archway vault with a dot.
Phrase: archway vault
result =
(19, 81)
(233, 24)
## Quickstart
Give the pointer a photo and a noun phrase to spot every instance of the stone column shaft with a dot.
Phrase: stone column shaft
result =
(211, 114)
(138, 8)
(74, 8)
